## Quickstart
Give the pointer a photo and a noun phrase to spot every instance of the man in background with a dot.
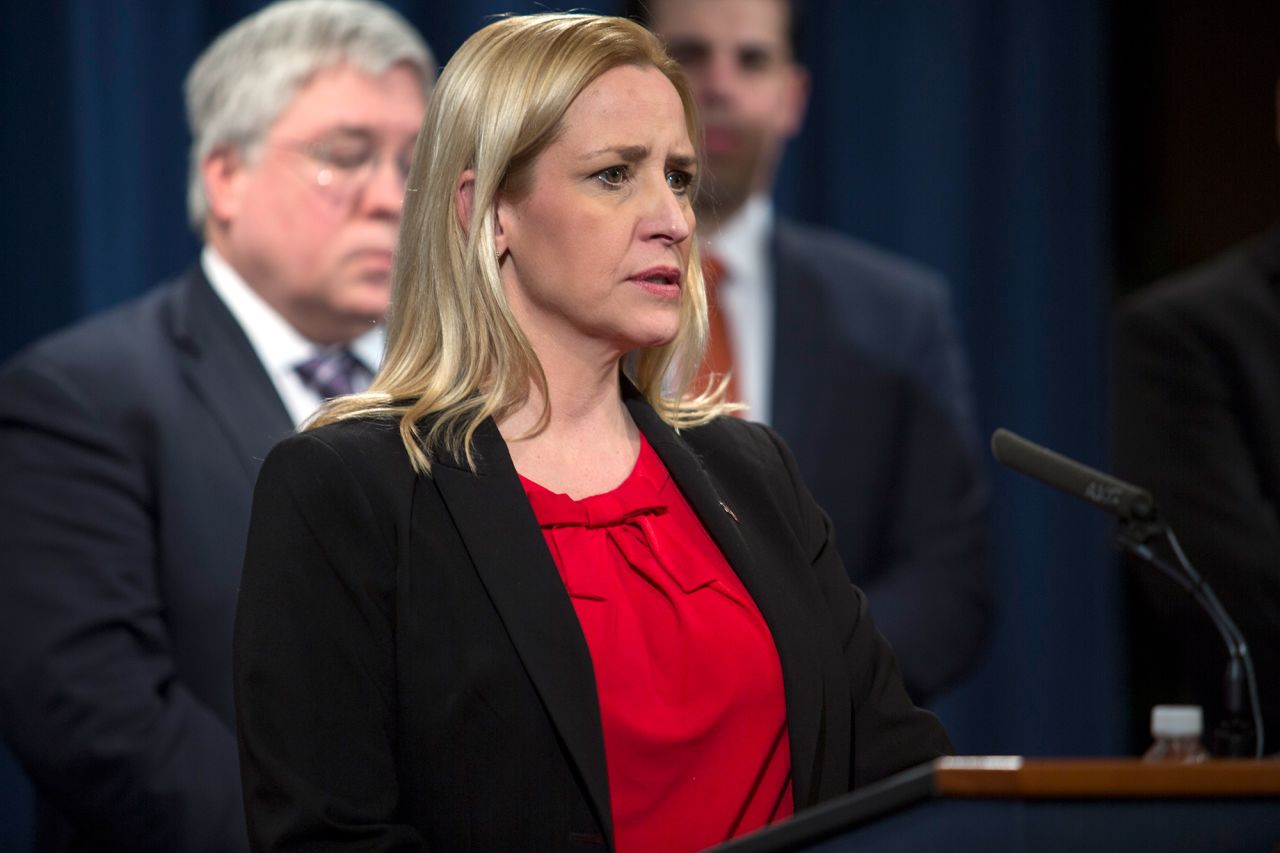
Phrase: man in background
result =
(130, 442)
(849, 352)
(1196, 408)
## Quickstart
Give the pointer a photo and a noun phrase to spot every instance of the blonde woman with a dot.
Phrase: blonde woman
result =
(520, 595)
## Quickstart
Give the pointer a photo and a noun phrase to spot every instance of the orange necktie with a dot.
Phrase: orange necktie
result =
(719, 358)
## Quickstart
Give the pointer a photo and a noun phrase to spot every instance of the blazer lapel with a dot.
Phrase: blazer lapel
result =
(501, 534)
(695, 484)
(224, 372)
(798, 648)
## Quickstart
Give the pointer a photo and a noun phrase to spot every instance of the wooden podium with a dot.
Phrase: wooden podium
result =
(1000, 804)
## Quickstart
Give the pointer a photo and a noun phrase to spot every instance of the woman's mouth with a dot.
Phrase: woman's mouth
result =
(660, 281)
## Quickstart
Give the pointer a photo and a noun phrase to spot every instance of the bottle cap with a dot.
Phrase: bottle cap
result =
(1177, 721)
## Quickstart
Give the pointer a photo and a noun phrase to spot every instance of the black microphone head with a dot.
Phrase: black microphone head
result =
(1116, 496)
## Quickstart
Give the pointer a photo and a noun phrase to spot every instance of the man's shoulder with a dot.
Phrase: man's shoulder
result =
(885, 306)
(130, 336)
(853, 266)
(112, 374)
(1240, 283)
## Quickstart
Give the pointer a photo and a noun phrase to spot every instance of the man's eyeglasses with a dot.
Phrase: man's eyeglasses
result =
(342, 164)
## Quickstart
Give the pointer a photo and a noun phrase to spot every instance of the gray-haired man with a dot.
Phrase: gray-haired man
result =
(130, 442)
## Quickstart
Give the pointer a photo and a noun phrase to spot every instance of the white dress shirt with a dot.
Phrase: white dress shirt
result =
(280, 347)
(746, 297)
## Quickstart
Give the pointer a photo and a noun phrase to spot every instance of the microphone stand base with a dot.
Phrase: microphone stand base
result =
(1234, 738)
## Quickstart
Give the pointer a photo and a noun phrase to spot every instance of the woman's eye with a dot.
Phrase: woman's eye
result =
(679, 181)
(614, 176)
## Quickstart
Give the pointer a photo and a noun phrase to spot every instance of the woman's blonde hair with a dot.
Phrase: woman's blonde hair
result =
(454, 350)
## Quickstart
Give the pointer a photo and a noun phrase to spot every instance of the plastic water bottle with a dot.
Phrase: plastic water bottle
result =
(1175, 734)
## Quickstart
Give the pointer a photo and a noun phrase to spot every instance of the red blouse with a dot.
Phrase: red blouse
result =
(690, 688)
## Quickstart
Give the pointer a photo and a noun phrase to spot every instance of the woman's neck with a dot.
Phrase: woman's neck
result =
(588, 444)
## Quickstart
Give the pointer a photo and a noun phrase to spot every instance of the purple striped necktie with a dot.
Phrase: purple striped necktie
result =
(333, 373)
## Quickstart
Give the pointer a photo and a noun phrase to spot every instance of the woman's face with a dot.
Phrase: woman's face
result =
(597, 247)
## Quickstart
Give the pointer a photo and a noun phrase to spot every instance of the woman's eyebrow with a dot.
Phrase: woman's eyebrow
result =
(628, 153)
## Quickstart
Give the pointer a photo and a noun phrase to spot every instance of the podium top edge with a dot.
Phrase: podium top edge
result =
(1038, 778)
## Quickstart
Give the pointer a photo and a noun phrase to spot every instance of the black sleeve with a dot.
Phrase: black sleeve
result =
(889, 732)
(91, 703)
(314, 661)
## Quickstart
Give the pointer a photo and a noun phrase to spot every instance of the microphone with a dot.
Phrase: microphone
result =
(1102, 490)
(1139, 520)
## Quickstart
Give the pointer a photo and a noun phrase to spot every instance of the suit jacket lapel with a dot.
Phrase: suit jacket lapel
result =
(790, 626)
(800, 342)
(225, 374)
(502, 535)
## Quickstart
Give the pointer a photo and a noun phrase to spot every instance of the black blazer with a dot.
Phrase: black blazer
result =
(129, 445)
(871, 393)
(410, 672)
(1197, 421)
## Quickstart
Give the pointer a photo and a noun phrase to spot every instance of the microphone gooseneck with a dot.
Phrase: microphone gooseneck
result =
(1140, 522)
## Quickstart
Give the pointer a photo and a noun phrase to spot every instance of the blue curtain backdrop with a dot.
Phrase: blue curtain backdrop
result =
(971, 135)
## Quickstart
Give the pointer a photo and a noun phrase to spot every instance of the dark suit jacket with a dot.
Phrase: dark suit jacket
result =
(410, 672)
(1197, 421)
(129, 445)
(871, 393)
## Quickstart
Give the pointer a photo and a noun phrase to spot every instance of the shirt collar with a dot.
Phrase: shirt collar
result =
(280, 347)
(744, 233)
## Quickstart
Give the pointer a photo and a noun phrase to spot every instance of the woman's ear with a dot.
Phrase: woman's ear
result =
(465, 204)
(464, 198)
(501, 212)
